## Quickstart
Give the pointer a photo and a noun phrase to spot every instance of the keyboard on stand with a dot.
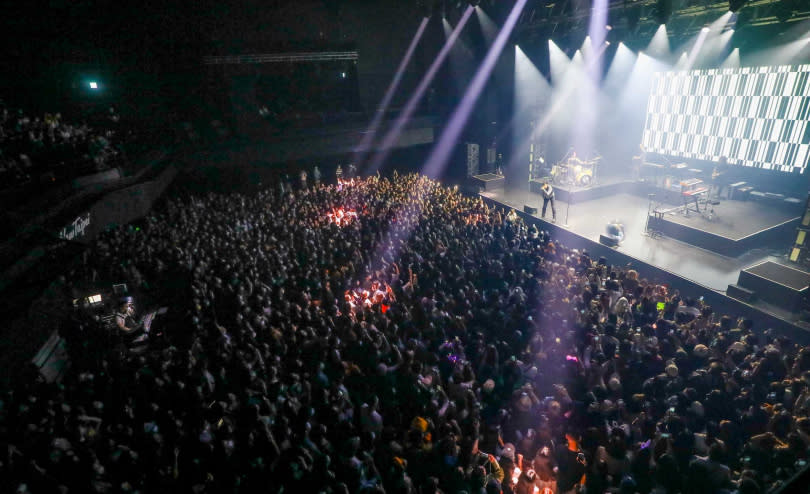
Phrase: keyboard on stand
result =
(692, 190)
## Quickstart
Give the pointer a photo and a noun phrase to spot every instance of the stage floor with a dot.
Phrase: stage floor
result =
(732, 219)
(714, 271)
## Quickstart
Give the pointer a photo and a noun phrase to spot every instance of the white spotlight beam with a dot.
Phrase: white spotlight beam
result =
(693, 54)
(620, 69)
(531, 88)
(488, 26)
(659, 44)
(717, 26)
(732, 61)
(781, 55)
(441, 152)
(558, 62)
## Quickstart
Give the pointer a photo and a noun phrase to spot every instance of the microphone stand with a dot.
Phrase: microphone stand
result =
(595, 160)
(568, 206)
(647, 230)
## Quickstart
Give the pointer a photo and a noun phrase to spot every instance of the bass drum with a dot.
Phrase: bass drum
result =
(585, 179)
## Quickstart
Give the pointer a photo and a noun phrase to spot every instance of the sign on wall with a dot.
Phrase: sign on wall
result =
(75, 230)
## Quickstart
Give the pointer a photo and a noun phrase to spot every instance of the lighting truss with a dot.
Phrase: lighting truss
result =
(323, 56)
(548, 15)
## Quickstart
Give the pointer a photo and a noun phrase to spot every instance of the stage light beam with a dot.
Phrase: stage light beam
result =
(597, 26)
(732, 61)
(558, 62)
(488, 26)
(371, 133)
(659, 44)
(391, 137)
(597, 33)
(781, 55)
(720, 24)
(693, 54)
(530, 85)
(531, 98)
(441, 152)
(620, 69)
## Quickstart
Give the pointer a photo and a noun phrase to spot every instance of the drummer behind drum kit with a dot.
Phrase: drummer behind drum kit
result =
(575, 172)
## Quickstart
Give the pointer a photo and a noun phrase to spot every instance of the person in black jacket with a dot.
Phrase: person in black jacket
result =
(548, 197)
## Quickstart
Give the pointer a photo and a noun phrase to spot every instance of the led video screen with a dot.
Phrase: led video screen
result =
(754, 116)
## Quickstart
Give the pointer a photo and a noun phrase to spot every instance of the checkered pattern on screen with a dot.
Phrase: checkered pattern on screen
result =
(755, 116)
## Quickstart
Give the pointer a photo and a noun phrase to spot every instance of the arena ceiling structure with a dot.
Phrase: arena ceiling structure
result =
(631, 19)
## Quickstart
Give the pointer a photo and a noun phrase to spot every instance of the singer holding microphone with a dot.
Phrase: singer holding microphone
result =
(548, 196)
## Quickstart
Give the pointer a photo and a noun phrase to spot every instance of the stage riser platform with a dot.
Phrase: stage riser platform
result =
(723, 245)
(488, 181)
(737, 229)
(776, 284)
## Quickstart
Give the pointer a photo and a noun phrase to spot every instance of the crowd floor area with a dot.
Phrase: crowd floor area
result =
(389, 334)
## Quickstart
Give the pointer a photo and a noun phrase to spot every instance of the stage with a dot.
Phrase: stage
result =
(729, 228)
(710, 248)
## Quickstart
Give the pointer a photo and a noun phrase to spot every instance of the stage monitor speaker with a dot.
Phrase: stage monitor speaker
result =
(529, 210)
(740, 293)
(608, 241)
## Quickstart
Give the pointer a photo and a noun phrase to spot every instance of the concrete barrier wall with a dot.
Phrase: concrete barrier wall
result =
(116, 208)
(125, 205)
(106, 176)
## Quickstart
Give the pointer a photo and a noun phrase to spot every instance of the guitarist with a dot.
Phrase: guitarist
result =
(720, 179)
(548, 196)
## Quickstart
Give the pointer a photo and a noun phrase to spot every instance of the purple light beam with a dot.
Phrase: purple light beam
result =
(394, 132)
(371, 133)
(441, 152)
(597, 28)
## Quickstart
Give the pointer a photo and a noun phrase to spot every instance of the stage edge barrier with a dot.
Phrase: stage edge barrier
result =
(721, 303)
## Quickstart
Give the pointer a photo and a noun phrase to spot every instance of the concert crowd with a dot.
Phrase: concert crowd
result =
(49, 145)
(432, 344)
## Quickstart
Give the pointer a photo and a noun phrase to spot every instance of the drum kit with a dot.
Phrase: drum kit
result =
(575, 172)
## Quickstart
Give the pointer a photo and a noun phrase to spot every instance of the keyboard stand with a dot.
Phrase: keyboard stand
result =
(688, 202)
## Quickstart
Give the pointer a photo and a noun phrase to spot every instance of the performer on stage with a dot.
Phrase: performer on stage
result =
(548, 196)
(720, 177)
